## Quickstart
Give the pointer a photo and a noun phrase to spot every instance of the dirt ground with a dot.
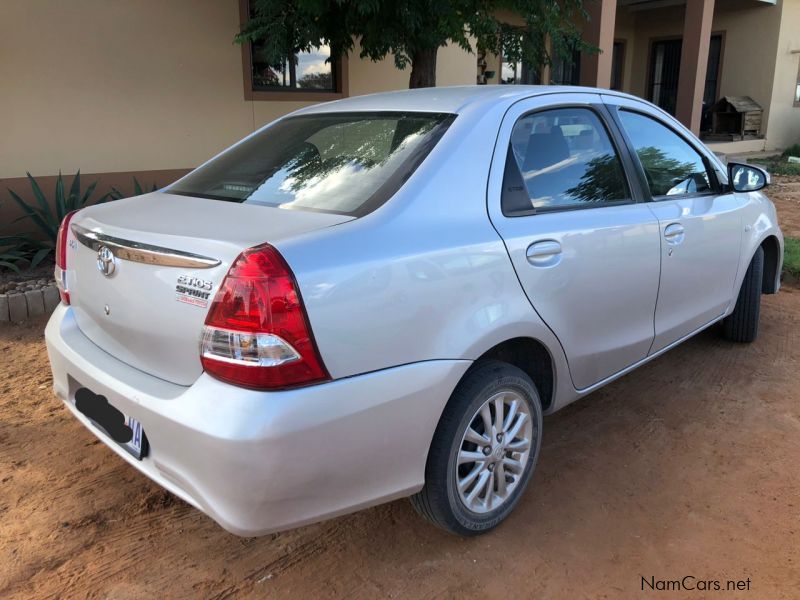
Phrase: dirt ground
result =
(687, 467)
(785, 193)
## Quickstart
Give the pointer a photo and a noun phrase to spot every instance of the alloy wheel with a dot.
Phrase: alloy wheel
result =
(494, 452)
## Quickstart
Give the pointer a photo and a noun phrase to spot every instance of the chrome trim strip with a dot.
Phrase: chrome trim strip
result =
(143, 253)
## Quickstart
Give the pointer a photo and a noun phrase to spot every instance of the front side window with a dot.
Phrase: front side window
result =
(561, 158)
(672, 167)
(345, 163)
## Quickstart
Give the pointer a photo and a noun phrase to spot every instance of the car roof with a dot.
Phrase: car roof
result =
(449, 99)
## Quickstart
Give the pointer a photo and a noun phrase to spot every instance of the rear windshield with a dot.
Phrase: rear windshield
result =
(345, 163)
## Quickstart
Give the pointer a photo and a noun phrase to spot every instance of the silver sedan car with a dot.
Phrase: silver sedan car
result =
(381, 297)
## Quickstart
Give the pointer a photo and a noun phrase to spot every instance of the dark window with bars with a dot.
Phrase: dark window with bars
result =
(712, 81)
(617, 65)
(566, 71)
(665, 63)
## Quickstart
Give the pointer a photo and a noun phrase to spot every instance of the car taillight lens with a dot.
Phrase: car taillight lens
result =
(257, 333)
(60, 272)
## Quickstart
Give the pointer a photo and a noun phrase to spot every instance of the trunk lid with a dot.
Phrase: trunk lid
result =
(149, 310)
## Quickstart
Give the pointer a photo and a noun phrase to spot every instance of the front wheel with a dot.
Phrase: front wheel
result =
(483, 452)
(742, 324)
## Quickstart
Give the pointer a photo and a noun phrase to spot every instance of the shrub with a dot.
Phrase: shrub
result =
(47, 216)
(793, 150)
(778, 166)
(40, 212)
(19, 251)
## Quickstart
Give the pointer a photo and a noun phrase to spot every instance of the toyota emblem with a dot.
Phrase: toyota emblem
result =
(106, 263)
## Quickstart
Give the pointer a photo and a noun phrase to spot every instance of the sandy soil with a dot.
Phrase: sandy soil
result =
(785, 193)
(689, 466)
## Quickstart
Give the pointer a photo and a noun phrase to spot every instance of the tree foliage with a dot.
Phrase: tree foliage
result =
(412, 31)
(603, 181)
(663, 172)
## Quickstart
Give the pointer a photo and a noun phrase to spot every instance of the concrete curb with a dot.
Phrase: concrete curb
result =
(17, 306)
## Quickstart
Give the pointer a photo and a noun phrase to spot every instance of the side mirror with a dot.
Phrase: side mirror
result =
(747, 178)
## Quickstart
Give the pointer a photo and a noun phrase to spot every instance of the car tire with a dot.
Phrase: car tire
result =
(742, 324)
(446, 500)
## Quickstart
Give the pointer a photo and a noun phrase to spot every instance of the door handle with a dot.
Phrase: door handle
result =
(544, 254)
(674, 233)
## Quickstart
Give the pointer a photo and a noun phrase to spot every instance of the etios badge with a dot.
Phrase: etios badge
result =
(106, 263)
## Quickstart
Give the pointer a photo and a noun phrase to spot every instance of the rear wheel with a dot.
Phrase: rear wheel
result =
(742, 324)
(483, 452)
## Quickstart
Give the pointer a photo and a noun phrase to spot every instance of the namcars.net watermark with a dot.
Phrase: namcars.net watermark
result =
(690, 583)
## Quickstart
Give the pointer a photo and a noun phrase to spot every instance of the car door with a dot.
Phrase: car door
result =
(585, 251)
(700, 224)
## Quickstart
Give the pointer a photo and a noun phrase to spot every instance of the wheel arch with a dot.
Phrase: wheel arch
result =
(772, 262)
(531, 356)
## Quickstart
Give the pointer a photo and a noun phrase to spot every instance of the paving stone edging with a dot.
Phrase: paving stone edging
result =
(18, 305)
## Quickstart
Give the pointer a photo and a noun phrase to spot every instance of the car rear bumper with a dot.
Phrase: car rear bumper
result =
(258, 462)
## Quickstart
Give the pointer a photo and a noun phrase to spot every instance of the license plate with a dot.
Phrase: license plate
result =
(124, 430)
(136, 445)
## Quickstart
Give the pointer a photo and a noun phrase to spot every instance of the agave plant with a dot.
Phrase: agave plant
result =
(48, 215)
(16, 251)
(138, 190)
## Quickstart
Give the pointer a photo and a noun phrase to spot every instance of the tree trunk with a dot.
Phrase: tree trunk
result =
(292, 70)
(423, 69)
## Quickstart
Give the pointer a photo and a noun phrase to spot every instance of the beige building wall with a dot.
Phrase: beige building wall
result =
(113, 86)
(748, 59)
(120, 85)
(648, 26)
(756, 60)
(784, 115)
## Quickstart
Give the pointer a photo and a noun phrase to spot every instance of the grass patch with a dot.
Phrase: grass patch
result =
(791, 256)
(793, 150)
(777, 165)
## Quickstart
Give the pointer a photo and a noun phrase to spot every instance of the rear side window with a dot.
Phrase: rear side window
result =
(561, 159)
(346, 163)
(672, 167)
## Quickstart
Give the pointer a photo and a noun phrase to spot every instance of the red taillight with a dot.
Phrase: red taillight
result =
(257, 333)
(61, 257)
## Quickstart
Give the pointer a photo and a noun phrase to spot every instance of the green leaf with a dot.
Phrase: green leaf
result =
(40, 255)
(13, 254)
(40, 197)
(74, 192)
(9, 240)
(61, 207)
(42, 221)
(137, 189)
(87, 195)
(9, 265)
